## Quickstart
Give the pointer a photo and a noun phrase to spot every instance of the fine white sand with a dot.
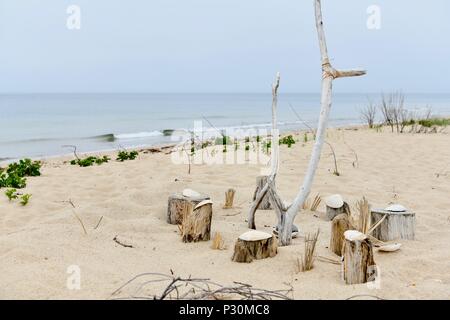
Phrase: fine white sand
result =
(40, 241)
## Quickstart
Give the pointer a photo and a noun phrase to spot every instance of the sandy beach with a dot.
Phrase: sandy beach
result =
(39, 242)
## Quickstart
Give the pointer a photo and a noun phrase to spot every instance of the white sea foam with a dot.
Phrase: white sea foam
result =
(138, 135)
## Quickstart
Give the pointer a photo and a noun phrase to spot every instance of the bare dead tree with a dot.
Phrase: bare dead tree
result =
(328, 75)
(368, 113)
(287, 214)
(392, 109)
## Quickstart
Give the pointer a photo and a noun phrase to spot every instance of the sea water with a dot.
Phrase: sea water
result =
(40, 125)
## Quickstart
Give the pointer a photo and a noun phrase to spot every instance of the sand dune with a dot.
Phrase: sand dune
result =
(40, 241)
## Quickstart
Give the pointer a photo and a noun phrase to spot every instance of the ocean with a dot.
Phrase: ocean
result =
(41, 125)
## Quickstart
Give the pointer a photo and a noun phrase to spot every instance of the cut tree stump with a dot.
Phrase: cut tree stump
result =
(333, 212)
(229, 198)
(396, 225)
(196, 224)
(358, 265)
(339, 225)
(177, 206)
(265, 202)
(254, 245)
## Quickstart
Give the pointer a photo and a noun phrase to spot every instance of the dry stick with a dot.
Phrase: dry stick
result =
(121, 243)
(76, 216)
(232, 215)
(74, 150)
(304, 122)
(189, 158)
(336, 171)
(364, 295)
(328, 260)
(328, 75)
(98, 223)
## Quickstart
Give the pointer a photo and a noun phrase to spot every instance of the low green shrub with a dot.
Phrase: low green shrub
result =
(24, 199)
(287, 140)
(125, 155)
(13, 176)
(89, 161)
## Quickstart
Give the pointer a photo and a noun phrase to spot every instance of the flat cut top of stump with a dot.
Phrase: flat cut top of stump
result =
(255, 235)
(382, 211)
(353, 235)
(200, 197)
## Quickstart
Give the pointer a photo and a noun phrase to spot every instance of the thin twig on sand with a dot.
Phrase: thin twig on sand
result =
(121, 243)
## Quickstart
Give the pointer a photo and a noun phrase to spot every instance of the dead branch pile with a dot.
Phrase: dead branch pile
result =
(178, 288)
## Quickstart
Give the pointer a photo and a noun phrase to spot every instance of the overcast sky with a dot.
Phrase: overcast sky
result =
(220, 45)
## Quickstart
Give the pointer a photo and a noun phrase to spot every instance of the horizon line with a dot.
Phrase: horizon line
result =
(205, 93)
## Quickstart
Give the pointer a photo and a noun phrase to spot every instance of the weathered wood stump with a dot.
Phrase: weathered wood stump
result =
(196, 224)
(254, 245)
(358, 265)
(396, 225)
(265, 202)
(339, 225)
(177, 205)
(333, 212)
(229, 199)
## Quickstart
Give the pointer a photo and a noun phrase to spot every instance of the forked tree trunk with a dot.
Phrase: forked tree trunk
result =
(196, 224)
(268, 189)
(178, 206)
(287, 215)
(339, 225)
(254, 245)
(328, 75)
(358, 265)
(265, 201)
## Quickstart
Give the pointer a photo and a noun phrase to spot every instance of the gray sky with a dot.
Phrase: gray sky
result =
(220, 45)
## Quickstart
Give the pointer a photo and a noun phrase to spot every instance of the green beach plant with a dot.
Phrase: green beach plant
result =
(89, 161)
(11, 194)
(125, 155)
(24, 199)
(287, 140)
(14, 175)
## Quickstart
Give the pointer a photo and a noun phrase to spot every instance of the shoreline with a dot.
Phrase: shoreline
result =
(156, 146)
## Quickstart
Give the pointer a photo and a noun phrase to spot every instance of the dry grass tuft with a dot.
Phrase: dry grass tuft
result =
(312, 205)
(306, 263)
(362, 219)
(217, 242)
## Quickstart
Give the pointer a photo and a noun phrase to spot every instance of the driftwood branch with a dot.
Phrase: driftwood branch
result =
(270, 187)
(328, 75)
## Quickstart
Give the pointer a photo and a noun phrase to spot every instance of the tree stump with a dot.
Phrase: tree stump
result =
(229, 198)
(339, 225)
(265, 202)
(358, 265)
(254, 245)
(333, 212)
(396, 225)
(177, 206)
(196, 224)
